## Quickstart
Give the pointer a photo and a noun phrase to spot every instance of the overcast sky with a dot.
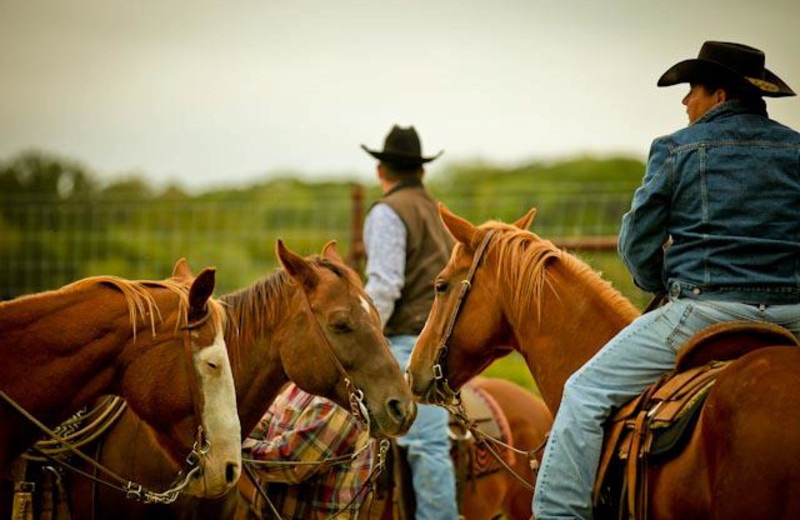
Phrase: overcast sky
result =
(212, 93)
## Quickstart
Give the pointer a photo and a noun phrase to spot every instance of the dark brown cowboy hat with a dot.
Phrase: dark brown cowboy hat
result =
(735, 62)
(402, 147)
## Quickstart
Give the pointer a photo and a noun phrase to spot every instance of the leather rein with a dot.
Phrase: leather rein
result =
(132, 490)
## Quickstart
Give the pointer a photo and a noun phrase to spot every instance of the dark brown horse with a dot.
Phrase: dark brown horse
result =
(297, 324)
(158, 344)
(742, 460)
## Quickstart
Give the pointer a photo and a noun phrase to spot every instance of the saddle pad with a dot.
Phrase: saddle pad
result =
(489, 419)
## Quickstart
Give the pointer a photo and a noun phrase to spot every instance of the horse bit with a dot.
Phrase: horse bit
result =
(131, 489)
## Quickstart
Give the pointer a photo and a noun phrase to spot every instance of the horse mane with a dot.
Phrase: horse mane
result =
(141, 302)
(254, 309)
(527, 256)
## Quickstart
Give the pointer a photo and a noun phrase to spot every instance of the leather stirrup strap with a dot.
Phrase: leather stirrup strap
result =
(639, 434)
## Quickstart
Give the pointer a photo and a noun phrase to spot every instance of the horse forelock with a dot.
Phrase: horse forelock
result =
(340, 270)
(522, 255)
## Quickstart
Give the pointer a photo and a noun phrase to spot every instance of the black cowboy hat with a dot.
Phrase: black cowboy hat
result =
(735, 62)
(401, 146)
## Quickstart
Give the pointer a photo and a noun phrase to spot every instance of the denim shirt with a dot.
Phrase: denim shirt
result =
(725, 192)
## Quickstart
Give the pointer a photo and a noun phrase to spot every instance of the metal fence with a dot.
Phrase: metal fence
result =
(47, 243)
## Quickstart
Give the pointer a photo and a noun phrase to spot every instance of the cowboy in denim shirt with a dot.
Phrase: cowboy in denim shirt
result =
(716, 225)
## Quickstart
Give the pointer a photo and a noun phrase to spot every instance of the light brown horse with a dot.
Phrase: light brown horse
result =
(742, 460)
(157, 344)
(272, 338)
(496, 493)
(500, 492)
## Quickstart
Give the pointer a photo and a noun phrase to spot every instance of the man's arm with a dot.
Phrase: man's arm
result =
(385, 245)
(311, 437)
(644, 227)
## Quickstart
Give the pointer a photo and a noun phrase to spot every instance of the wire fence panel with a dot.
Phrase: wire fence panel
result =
(47, 243)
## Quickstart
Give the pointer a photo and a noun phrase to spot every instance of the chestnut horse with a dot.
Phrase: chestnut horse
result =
(158, 344)
(743, 458)
(499, 492)
(298, 324)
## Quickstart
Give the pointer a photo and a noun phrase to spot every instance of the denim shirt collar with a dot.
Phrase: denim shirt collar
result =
(733, 108)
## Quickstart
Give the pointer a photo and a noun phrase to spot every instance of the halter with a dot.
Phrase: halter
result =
(355, 395)
(442, 389)
(131, 489)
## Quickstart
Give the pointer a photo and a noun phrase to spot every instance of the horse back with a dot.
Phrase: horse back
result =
(739, 444)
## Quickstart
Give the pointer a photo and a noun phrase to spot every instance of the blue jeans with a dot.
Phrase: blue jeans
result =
(621, 370)
(428, 448)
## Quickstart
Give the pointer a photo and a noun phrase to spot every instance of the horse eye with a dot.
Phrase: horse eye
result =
(440, 287)
(341, 327)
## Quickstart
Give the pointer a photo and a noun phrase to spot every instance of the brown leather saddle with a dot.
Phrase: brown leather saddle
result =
(394, 494)
(657, 424)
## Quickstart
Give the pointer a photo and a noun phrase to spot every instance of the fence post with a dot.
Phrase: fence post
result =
(357, 254)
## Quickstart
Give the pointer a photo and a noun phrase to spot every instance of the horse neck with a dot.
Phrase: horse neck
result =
(577, 314)
(79, 335)
(257, 319)
(61, 349)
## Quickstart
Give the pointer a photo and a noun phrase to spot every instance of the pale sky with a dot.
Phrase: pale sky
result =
(215, 93)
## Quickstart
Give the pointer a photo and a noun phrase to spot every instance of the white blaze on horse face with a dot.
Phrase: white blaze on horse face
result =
(365, 305)
(222, 465)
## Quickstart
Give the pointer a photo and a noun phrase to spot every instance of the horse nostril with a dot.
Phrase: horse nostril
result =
(401, 410)
(231, 472)
(396, 409)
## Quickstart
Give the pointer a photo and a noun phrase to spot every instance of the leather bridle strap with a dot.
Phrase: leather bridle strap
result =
(443, 389)
(355, 394)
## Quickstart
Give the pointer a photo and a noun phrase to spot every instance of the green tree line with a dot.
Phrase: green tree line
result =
(59, 222)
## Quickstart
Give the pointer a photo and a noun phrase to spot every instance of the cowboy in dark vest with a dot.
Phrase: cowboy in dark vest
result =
(716, 226)
(407, 245)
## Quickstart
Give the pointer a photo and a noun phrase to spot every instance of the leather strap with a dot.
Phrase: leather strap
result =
(444, 392)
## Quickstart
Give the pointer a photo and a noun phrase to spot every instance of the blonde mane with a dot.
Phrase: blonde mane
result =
(523, 258)
(142, 304)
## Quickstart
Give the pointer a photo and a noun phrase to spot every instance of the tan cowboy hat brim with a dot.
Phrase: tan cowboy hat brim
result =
(690, 70)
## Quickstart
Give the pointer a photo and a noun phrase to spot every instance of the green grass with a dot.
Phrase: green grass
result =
(512, 368)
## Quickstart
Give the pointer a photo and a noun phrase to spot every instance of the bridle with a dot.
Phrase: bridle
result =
(132, 490)
(450, 399)
(355, 395)
(443, 392)
(357, 408)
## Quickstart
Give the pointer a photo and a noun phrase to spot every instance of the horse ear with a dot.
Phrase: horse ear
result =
(200, 292)
(182, 271)
(297, 266)
(461, 230)
(526, 221)
(329, 252)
